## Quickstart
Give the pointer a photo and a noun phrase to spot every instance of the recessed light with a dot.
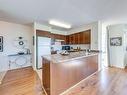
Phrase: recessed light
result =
(60, 24)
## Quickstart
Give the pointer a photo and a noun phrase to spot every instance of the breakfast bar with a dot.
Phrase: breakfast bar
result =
(62, 72)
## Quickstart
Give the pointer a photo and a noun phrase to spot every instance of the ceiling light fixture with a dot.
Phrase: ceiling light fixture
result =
(60, 24)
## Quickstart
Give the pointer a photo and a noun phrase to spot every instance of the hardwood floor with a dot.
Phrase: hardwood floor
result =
(25, 81)
(21, 82)
(110, 81)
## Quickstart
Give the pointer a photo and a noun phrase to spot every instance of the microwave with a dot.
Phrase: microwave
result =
(66, 47)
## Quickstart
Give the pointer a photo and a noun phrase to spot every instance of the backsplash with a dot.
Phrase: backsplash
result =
(58, 47)
(82, 46)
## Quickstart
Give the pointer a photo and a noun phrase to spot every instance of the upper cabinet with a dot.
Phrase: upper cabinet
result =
(83, 37)
(67, 39)
(58, 36)
(87, 37)
(79, 38)
(50, 35)
(43, 33)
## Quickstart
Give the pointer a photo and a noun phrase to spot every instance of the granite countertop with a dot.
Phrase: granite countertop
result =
(58, 58)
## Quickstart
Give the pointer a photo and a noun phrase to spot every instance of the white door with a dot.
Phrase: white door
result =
(43, 48)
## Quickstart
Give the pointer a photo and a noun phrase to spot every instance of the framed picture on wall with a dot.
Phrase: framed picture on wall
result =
(1, 40)
(116, 41)
(1, 48)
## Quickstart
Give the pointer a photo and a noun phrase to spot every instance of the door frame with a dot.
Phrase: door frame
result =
(37, 52)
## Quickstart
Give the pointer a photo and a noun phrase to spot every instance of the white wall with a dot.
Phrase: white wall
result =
(117, 53)
(10, 31)
(105, 24)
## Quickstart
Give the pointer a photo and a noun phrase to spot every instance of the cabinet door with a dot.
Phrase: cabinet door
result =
(81, 37)
(67, 39)
(93, 64)
(87, 37)
(76, 38)
(58, 36)
(71, 39)
(63, 37)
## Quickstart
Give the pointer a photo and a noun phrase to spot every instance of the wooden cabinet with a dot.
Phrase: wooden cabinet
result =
(76, 38)
(83, 37)
(79, 38)
(51, 35)
(59, 37)
(81, 41)
(87, 37)
(67, 40)
(57, 78)
(46, 75)
(43, 33)
(71, 39)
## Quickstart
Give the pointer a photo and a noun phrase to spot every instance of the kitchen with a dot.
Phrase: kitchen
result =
(61, 40)
(63, 47)
(57, 48)
(56, 42)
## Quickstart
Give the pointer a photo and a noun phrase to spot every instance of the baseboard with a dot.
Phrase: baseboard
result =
(117, 67)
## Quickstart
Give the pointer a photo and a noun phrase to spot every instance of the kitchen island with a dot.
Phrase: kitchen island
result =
(60, 72)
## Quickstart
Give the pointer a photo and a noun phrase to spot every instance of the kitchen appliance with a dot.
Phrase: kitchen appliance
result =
(43, 48)
(66, 48)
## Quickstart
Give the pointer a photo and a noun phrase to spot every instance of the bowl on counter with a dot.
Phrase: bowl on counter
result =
(64, 53)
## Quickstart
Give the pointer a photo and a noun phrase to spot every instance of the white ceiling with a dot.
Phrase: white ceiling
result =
(74, 12)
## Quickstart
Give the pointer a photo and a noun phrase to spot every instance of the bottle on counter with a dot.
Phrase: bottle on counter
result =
(79, 49)
(87, 52)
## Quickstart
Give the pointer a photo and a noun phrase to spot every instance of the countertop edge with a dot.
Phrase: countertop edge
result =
(71, 59)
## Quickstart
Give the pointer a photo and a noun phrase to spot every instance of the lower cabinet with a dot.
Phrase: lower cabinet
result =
(58, 77)
(46, 75)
